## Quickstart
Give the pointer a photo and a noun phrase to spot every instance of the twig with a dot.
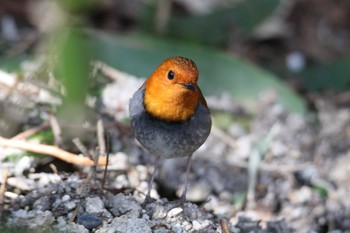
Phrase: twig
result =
(255, 159)
(56, 130)
(108, 150)
(3, 189)
(50, 150)
(101, 140)
(101, 144)
(224, 227)
(101, 137)
(75, 212)
(29, 132)
(53, 168)
(81, 147)
(107, 70)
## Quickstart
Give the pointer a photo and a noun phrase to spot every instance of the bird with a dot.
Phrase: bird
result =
(170, 116)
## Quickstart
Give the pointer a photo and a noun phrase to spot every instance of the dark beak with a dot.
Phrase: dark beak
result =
(190, 86)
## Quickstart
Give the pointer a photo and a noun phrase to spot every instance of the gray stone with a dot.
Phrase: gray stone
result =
(22, 183)
(123, 225)
(162, 230)
(69, 205)
(191, 211)
(177, 228)
(123, 205)
(37, 220)
(43, 203)
(63, 226)
(89, 221)
(94, 205)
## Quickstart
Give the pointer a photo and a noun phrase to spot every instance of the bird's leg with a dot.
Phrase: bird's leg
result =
(183, 195)
(148, 198)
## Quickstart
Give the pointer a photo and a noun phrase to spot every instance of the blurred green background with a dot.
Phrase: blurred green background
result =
(244, 48)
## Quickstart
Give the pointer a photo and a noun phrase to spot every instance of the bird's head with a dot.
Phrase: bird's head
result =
(171, 91)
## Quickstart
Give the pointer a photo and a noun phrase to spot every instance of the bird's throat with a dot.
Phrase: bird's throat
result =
(171, 108)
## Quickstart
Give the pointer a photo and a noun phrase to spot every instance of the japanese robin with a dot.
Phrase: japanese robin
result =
(169, 115)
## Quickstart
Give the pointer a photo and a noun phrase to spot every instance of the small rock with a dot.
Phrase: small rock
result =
(69, 205)
(191, 211)
(36, 220)
(94, 205)
(70, 227)
(162, 230)
(196, 225)
(43, 203)
(119, 161)
(120, 224)
(44, 179)
(187, 226)
(177, 228)
(174, 212)
(22, 183)
(159, 212)
(89, 221)
(122, 205)
(25, 163)
(199, 191)
(66, 198)
(21, 213)
(145, 216)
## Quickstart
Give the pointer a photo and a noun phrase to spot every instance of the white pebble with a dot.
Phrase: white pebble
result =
(174, 212)
(196, 225)
(66, 198)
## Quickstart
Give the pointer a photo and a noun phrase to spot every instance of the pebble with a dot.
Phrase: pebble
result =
(177, 228)
(161, 230)
(199, 191)
(122, 205)
(34, 219)
(159, 212)
(22, 183)
(191, 211)
(65, 198)
(187, 226)
(44, 179)
(43, 203)
(121, 224)
(23, 164)
(72, 227)
(89, 221)
(174, 212)
(94, 205)
(69, 205)
(196, 225)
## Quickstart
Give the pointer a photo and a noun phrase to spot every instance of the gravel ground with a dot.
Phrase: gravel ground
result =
(294, 168)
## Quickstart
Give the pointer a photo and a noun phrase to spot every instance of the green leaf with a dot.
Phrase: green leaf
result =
(334, 75)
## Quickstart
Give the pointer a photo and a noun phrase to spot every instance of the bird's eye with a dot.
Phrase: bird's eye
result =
(171, 75)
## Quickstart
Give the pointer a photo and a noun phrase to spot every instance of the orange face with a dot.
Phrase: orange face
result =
(171, 91)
